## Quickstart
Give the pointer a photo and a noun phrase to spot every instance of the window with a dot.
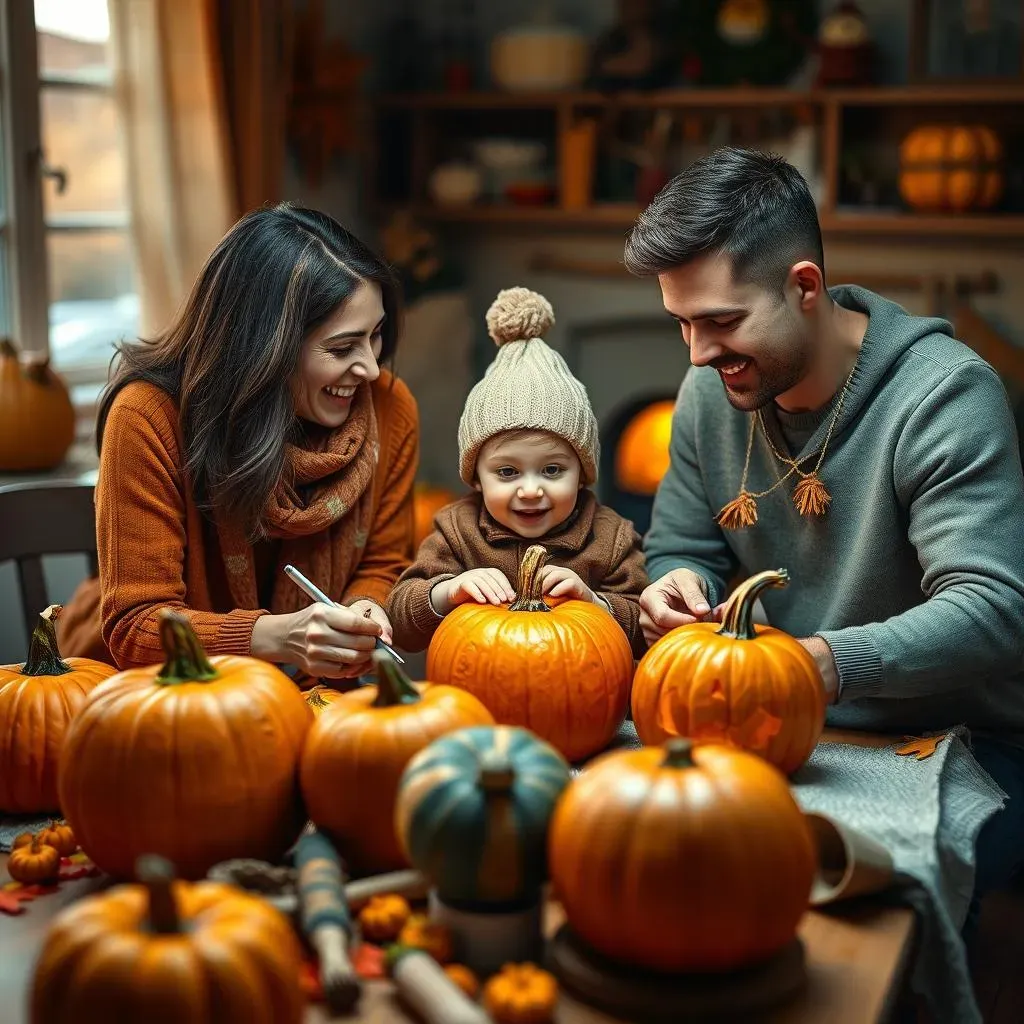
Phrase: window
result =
(72, 278)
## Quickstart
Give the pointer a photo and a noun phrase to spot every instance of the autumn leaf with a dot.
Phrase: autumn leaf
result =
(922, 746)
(10, 904)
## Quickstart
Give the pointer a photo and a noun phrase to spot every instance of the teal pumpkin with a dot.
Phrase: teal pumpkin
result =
(473, 811)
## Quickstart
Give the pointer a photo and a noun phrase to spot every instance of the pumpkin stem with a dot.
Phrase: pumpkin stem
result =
(186, 660)
(496, 772)
(393, 685)
(43, 654)
(678, 753)
(737, 616)
(529, 597)
(157, 875)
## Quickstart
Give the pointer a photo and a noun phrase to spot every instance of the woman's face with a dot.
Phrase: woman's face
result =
(338, 356)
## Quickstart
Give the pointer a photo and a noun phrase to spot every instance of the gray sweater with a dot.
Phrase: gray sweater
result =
(915, 576)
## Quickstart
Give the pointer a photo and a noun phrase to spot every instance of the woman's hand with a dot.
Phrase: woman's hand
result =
(484, 586)
(371, 610)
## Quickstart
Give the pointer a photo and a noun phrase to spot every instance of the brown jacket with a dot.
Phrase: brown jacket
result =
(595, 542)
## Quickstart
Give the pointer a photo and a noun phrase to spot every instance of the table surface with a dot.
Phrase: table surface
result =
(856, 955)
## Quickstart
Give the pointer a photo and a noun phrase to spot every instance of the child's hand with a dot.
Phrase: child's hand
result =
(484, 586)
(557, 581)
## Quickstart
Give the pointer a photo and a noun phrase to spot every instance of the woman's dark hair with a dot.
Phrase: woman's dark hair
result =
(752, 206)
(229, 358)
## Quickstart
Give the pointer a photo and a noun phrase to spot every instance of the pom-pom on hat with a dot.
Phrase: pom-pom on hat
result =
(527, 387)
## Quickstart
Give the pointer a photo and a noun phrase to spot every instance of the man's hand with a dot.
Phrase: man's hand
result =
(677, 599)
(823, 658)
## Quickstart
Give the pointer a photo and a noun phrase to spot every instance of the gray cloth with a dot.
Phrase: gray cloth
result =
(915, 576)
(927, 814)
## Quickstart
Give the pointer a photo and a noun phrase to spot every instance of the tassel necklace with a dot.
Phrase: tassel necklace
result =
(810, 495)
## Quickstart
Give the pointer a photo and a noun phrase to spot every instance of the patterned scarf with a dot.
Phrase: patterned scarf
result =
(321, 509)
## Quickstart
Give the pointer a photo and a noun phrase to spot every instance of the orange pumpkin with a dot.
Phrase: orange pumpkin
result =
(641, 458)
(521, 994)
(701, 856)
(60, 837)
(427, 502)
(169, 951)
(196, 760)
(37, 419)
(561, 670)
(951, 168)
(749, 685)
(463, 978)
(384, 917)
(22, 839)
(36, 862)
(37, 701)
(419, 932)
(359, 747)
(321, 697)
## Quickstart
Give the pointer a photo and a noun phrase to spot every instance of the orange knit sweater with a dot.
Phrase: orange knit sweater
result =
(157, 550)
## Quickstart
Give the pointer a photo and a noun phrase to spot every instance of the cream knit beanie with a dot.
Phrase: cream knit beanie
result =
(527, 387)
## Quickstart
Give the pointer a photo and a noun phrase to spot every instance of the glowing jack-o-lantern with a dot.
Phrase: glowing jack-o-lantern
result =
(641, 457)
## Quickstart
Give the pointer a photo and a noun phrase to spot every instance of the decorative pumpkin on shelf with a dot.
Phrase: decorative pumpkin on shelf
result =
(196, 759)
(60, 837)
(641, 457)
(478, 798)
(35, 862)
(427, 502)
(521, 994)
(355, 756)
(37, 419)
(752, 686)
(167, 950)
(686, 857)
(951, 168)
(37, 702)
(561, 670)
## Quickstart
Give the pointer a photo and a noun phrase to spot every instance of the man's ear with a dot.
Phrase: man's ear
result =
(806, 279)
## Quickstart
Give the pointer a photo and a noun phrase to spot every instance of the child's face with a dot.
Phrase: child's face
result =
(529, 480)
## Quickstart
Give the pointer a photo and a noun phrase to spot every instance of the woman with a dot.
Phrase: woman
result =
(258, 430)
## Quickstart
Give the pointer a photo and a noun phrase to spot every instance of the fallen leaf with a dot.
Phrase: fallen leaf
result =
(922, 746)
(368, 961)
(309, 981)
(10, 904)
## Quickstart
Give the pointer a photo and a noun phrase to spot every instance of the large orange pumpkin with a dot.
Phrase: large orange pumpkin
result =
(951, 168)
(169, 951)
(356, 753)
(196, 760)
(427, 502)
(750, 685)
(686, 857)
(561, 670)
(37, 419)
(37, 701)
(641, 457)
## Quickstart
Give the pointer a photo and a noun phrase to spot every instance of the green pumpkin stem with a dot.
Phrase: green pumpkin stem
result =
(186, 660)
(43, 654)
(738, 613)
(157, 875)
(678, 753)
(393, 685)
(496, 772)
(529, 597)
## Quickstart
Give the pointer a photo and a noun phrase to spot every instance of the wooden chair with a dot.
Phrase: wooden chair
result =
(37, 519)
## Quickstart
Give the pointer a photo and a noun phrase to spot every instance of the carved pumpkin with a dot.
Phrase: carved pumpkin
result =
(196, 760)
(169, 951)
(60, 837)
(356, 753)
(687, 857)
(951, 168)
(641, 457)
(37, 419)
(749, 685)
(477, 798)
(427, 502)
(521, 994)
(561, 670)
(37, 701)
(35, 862)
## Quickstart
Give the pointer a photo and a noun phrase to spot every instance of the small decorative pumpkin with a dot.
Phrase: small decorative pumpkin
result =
(427, 502)
(37, 702)
(521, 994)
(37, 419)
(419, 932)
(462, 976)
(200, 756)
(687, 857)
(641, 457)
(60, 837)
(35, 862)
(951, 168)
(355, 756)
(478, 798)
(167, 950)
(562, 670)
(384, 917)
(23, 839)
(741, 683)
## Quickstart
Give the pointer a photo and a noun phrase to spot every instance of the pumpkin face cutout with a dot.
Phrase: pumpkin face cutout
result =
(199, 755)
(748, 685)
(37, 703)
(561, 670)
(687, 857)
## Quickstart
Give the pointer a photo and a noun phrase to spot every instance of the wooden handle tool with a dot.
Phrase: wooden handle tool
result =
(424, 987)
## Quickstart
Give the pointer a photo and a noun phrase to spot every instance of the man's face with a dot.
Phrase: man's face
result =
(759, 341)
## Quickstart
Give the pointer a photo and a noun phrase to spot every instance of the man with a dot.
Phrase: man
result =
(864, 449)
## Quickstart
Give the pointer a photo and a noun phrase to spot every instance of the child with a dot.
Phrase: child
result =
(528, 446)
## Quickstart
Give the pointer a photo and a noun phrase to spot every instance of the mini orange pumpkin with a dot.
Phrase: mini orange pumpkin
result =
(464, 978)
(23, 839)
(521, 994)
(420, 932)
(60, 837)
(951, 168)
(562, 670)
(35, 862)
(384, 917)
(740, 683)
